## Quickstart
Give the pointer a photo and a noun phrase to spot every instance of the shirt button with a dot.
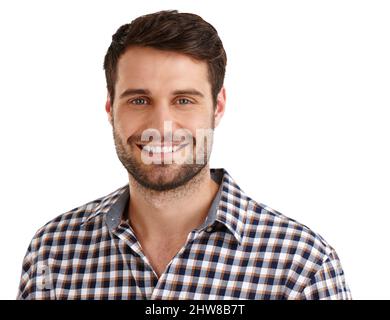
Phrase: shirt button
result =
(209, 229)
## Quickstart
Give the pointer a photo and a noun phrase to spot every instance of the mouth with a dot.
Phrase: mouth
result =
(161, 148)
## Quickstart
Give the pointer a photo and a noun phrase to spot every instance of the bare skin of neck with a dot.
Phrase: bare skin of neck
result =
(163, 220)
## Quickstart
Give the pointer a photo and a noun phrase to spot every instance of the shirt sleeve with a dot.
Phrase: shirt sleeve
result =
(328, 283)
(24, 290)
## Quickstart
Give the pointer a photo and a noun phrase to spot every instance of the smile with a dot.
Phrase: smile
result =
(161, 148)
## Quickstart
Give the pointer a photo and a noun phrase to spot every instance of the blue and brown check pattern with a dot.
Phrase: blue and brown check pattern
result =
(244, 250)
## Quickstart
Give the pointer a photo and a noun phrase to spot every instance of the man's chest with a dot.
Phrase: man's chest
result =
(160, 253)
(199, 268)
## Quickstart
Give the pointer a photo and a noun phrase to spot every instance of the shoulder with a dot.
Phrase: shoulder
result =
(55, 241)
(71, 222)
(285, 234)
(289, 248)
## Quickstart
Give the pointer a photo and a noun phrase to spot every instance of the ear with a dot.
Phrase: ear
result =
(109, 108)
(220, 108)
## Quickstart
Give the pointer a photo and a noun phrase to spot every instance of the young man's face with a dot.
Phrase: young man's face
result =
(168, 94)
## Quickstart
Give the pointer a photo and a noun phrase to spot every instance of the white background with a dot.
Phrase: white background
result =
(305, 131)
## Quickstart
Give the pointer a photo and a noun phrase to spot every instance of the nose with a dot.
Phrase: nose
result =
(162, 118)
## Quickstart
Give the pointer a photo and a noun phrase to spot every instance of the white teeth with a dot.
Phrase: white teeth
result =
(159, 149)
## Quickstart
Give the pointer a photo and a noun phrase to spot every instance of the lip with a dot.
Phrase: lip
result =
(140, 146)
(159, 144)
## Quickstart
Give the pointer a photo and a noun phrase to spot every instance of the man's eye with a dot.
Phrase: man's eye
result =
(138, 101)
(184, 101)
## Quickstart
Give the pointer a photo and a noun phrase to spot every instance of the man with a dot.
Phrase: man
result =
(178, 230)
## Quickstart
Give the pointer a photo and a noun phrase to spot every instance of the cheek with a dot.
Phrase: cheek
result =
(125, 123)
(201, 119)
(200, 123)
(124, 129)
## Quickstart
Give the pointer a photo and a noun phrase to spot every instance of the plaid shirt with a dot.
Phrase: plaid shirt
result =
(243, 250)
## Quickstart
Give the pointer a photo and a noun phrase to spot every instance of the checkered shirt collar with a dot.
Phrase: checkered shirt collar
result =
(230, 206)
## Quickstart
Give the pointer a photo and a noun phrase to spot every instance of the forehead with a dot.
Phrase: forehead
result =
(158, 69)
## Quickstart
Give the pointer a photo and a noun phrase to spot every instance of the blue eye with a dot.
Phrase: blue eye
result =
(137, 100)
(184, 99)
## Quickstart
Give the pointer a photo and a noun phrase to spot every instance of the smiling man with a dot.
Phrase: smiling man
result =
(178, 229)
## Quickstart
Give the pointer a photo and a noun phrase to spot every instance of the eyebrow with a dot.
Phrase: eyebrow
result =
(130, 92)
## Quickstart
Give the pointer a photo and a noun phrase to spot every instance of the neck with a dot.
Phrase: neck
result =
(156, 214)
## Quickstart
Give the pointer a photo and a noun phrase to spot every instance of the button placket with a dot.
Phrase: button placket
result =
(209, 229)
(158, 291)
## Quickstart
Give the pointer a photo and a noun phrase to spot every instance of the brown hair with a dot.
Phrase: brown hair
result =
(185, 33)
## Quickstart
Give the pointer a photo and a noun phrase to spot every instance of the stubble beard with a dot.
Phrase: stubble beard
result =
(160, 179)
